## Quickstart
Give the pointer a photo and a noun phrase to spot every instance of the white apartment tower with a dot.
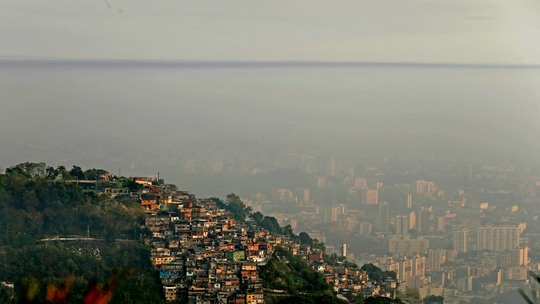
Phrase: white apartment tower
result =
(498, 238)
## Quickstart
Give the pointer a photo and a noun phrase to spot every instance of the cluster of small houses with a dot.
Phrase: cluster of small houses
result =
(205, 256)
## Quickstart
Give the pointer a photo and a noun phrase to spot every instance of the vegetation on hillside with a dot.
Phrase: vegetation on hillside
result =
(377, 274)
(284, 271)
(234, 205)
(269, 223)
(36, 202)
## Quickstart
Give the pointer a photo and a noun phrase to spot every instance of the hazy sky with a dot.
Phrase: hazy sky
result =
(481, 31)
(63, 111)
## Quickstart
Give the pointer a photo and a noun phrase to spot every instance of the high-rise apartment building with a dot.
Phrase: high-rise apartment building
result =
(465, 284)
(407, 268)
(412, 220)
(406, 245)
(365, 228)
(401, 225)
(498, 238)
(383, 217)
(461, 240)
(424, 221)
(512, 258)
(430, 187)
(372, 197)
(306, 196)
(329, 214)
(321, 182)
(333, 166)
(360, 183)
(420, 186)
(435, 259)
(409, 201)
(344, 250)
(441, 223)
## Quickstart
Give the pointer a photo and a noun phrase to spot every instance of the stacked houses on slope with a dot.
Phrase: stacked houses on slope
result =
(204, 255)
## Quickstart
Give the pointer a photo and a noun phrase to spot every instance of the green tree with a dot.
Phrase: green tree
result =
(7, 295)
(382, 300)
(305, 238)
(288, 231)
(32, 207)
(219, 202)
(29, 170)
(375, 273)
(132, 185)
(290, 273)
(270, 223)
(358, 299)
(412, 293)
(257, 217)
(77, 172)
(437, 300)
(235, 205)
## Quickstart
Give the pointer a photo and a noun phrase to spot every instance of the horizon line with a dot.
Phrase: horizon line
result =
(138, 63)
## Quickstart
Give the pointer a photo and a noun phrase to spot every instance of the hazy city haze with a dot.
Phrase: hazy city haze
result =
(282, 151)
(98, 112)
(93, 82)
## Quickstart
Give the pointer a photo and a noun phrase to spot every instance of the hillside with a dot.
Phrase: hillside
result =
(290, 274)
(35, 204)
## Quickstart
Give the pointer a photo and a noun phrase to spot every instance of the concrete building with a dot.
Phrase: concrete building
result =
(420, 186)
(431, 290)
(372, 197)
(517, 273)
(435, 259)
(406, 245)
(465, 285)
(514, 257)
(329, 214)
(424, 222)
(461, 240)
(333, 166)
(365, 228)
(321, 182)
(344, 250)
(306, 196)
(360, 183)
(441, 223)
(401, 225)
(498, 238)
(412, 220)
